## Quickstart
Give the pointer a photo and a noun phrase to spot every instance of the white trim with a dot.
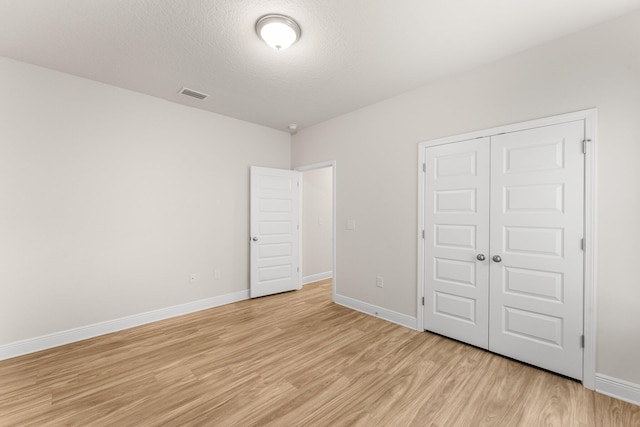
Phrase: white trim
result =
(56, 339)
(591, 249)
(316, 277)
(332, 164)
(620, 389)
(514, 127)
(374, 310)
(421, 243)
(590, 233)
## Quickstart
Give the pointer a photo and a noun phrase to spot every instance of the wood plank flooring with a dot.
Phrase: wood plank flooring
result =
(292, 359)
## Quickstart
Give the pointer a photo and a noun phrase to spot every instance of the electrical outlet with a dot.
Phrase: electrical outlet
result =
(193, 278)
(379, 282)
(217, 274)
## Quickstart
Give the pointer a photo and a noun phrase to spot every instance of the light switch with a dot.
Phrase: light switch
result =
(351, 224)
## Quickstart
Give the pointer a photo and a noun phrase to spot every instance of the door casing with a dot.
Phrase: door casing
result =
(589, 118)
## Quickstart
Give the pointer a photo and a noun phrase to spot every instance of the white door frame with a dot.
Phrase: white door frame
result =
(321, 165)
(590, 222)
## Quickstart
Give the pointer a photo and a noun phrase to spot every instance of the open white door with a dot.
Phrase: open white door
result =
(275, 222)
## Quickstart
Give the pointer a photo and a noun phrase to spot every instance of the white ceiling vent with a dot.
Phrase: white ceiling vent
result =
(194, 94)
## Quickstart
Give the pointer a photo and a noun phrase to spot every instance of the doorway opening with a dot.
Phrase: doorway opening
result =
(318, 222)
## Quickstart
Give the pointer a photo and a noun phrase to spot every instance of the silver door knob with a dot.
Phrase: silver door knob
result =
(496, 258)
(481, 257)
(255, 239)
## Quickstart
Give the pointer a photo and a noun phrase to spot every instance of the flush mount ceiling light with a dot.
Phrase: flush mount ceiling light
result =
(278, 31)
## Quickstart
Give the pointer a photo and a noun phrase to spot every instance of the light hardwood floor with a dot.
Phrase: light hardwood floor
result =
(289, 360)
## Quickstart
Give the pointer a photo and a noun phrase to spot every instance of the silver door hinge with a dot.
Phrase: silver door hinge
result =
(424, 167)
(582, 244)
(298, 226)
(423, 234)
(422, 300)
(582, 341)
(584, 145)
(298, 269)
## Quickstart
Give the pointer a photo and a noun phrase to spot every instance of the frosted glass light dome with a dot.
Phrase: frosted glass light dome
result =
(278, 31)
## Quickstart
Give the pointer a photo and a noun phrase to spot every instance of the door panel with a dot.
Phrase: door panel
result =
(537, 190)
(274, 231)
(534, 283)
(456, 231)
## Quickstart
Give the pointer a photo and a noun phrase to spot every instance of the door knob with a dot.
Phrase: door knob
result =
(255, 239)
(496, 258)
(481, 257)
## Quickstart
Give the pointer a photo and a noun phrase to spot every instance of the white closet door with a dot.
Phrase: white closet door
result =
(537, 206)
(456, 232)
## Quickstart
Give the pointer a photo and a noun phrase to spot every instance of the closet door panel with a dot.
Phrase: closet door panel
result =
(456, 232)
(537, 205)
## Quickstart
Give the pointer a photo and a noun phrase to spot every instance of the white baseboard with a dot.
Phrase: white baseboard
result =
(383, 313)
(44, 342)
(620, 389)
(316, 277)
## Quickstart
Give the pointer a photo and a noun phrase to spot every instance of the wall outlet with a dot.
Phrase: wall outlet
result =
(217, 274)
(379, 282)
(193, 278)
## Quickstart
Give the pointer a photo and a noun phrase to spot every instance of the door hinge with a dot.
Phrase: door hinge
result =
(422, 300)
(582, 341)
(584, 145)
(423, 234)
(298, 226)
(424, 167)
(582, 244)
(298, 269)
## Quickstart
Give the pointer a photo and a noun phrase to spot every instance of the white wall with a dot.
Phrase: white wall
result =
(317, 222)
(109, 199)
(376, 148)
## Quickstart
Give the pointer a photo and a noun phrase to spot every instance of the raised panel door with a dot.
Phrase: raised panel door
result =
(274, 231)
(456, 232)
(536, 290)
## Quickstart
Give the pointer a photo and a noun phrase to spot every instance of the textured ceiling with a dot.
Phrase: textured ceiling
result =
(352, 52)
